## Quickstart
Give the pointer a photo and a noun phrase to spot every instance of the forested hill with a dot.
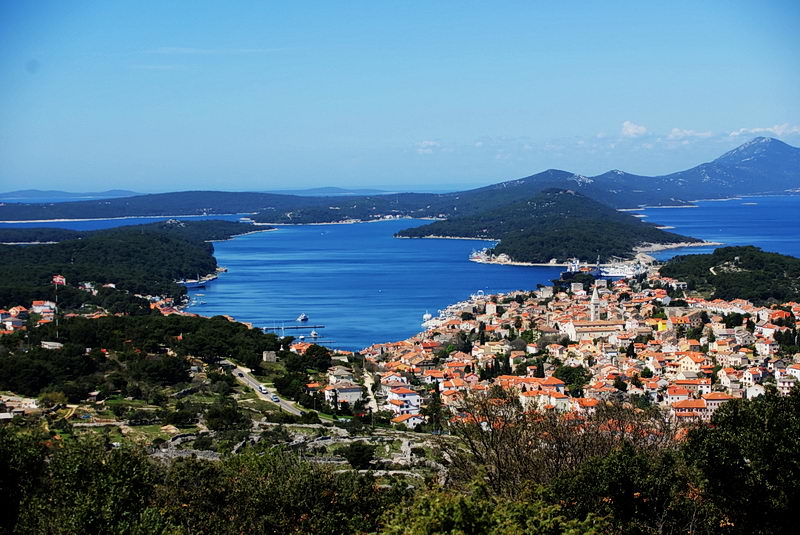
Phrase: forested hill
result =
(763, 165)
(557, 224)
(143, 259)
(740, 273)
(193, 230)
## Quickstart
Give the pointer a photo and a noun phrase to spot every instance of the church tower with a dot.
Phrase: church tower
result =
(594, 305)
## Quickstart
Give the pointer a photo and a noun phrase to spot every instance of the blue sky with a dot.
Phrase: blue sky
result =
(157, 96)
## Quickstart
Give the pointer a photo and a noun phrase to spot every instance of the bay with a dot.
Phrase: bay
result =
(365, 286)
(361, 283)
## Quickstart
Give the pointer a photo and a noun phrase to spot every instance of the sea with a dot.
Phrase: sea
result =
(359, 285)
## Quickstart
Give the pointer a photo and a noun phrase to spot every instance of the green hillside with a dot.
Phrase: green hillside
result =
(740, 273)
(144, 259)
(555, 223)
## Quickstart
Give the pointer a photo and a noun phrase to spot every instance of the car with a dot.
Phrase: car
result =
(275, 398)
(262, 389)
(241, 374)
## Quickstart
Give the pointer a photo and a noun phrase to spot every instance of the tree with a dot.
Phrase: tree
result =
(225, 414)
(478, 511)
(575, 377)
(620, 384)
(359, 454)
(748, 462)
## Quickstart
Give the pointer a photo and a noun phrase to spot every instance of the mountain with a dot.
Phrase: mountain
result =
(553, 223)
(37, 195)
(763, 165)
(329, 192)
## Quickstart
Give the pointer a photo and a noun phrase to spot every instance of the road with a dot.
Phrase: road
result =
(243, 376)
(369, 379)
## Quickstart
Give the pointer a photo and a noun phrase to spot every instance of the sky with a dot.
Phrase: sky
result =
(164, 96)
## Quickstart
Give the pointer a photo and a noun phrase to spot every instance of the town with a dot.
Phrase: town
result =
(565, 348)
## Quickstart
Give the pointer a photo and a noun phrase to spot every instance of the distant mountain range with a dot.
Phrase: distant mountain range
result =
(36, 195)
(329, 192)
(762, 165)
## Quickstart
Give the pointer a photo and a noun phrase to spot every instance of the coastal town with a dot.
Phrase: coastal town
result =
(644, 341)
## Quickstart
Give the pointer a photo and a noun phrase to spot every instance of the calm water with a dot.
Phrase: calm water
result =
(357, 280)
(772, 223)
(365, 286)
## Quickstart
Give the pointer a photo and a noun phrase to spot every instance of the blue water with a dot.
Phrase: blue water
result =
(365, 286)
(772, 223)
(357, 280)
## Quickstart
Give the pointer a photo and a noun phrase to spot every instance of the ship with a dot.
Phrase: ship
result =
(625, 270)
(574, 267)
(199, 282)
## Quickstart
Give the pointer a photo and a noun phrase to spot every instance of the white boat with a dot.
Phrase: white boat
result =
(302, 317)
(625, 270)
(314, 334)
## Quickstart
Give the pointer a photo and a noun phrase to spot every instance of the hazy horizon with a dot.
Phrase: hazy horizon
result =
(167, 96)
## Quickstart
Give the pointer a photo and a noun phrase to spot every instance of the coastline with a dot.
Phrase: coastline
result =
(242, 234)
(29, 243)
(350, 222)
(66, 220)
(656, 247)
(435, 237)
(638, 252)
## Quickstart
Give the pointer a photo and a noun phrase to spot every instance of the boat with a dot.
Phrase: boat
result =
(198, 282)
(574, 267)
(192, 283)
(314, 334)
(624, 269)
(302, 317)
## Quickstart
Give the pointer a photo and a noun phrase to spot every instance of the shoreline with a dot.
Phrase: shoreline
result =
(28, 243)
(349, 222)
(435, 237)
(639, 254)
(656, 247)
(242, 234)
(67, 220)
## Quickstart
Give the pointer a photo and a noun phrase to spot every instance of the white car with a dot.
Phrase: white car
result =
(262, 389)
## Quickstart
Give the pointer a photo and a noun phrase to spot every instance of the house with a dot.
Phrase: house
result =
(409, 420)
(402, 400)
(676, 394)
(343, 393)
(339, 374)
(691, 361)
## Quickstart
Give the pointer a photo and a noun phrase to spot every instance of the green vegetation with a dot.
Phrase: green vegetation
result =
(85, 488)
(620, 471)
(142, 354)
(142, 259)
(739, 273)
(37, 235)
(553, 224)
